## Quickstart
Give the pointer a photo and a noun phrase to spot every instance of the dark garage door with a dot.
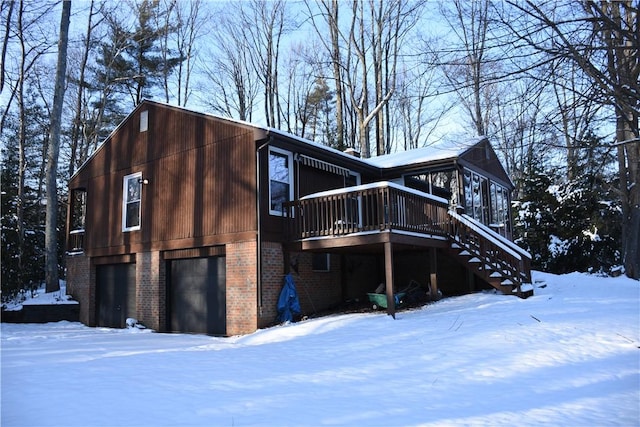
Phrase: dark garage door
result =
(116, 294)
(197, 291)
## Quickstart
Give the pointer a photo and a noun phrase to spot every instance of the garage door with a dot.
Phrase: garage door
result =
(116, 294)
(197, 300)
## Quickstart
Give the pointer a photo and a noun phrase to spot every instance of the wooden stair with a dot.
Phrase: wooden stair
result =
(489, 256)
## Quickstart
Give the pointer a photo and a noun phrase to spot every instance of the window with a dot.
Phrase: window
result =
(280, 180)
(445, 184)
(320, 262)
(486, 201)
(132, 193)
(477, 197)
(468, 192)
(144, 121)
(495, 215)
(78, 209)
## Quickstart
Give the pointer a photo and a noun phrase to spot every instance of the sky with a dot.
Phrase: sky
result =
(568, 356)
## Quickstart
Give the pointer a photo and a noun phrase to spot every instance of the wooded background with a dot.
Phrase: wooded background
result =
(553, 84)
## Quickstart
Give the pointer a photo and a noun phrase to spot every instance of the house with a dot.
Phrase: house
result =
(188, 222)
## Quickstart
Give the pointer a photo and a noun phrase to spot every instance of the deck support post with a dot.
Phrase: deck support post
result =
(388, 269)
(433, 276)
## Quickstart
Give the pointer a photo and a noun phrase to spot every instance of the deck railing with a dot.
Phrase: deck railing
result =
(389, 207)
(75, 242)
(366, 208)
(495, 253)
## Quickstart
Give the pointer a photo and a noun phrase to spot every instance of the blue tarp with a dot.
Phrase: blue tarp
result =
(288, 303)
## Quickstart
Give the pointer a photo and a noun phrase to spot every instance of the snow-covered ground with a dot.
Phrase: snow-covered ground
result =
(568, 356)
(39, 297)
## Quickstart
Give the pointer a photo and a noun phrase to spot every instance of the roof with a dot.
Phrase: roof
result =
(434, 152)
(438, 151)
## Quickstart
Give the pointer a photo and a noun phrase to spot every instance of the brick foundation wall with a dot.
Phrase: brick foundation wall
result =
(241, 287)
(317, 291)
(272, 280)
(81, 285)
(151, 290)
(362, 274)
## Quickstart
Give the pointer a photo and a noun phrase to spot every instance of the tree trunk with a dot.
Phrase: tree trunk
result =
(5, 43)
(77, 133)
(51, 235)
(628, 165)
(623, 70)
(332, 16)
(615, 74)
(22, 131)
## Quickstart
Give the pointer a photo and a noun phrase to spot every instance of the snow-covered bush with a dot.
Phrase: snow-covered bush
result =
(571, 225)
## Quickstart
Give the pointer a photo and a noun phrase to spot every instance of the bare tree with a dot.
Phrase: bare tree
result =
(51, 240)
(364, 43)
(29, 51)
(521, 137)
(468, 67)
(603, 40)
(165, 25)
(577, 105)
(301, 76)
(191, 20)
(264, 23)
(6, 5)
(231, 85)
(329, 15)
(79, 126)
(416, 118)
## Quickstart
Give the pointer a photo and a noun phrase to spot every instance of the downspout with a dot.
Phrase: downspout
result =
(259, 232)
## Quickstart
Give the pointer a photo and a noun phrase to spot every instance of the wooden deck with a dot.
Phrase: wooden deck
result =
(366, 215)
(384, 215)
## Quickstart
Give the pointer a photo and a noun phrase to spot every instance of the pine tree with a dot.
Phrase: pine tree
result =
(588, 214)
(574, 225)
(22, 258)
(533, 215)
(320, 104)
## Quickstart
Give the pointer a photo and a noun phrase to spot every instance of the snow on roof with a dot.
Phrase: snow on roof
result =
(438, 151)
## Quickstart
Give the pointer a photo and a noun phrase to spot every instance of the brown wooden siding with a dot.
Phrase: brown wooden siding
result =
(307, 180)
(201, 174)
(314, 180)
(208, 251)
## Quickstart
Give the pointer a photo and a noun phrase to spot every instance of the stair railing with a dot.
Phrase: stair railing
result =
(495, 254)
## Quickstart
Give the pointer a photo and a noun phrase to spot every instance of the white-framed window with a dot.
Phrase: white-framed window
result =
(485, 200)
(131, 201)
(280, 179)
(321, 262)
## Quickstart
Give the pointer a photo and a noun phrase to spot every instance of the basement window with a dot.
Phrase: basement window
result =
(131, 201)
(320, 262)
